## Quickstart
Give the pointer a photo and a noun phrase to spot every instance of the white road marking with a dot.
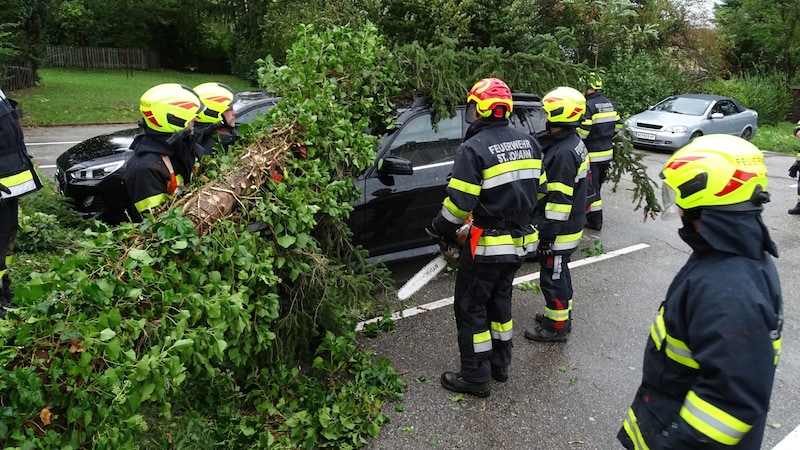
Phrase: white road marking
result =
(413, 311)
(790, 442)
(49, 166)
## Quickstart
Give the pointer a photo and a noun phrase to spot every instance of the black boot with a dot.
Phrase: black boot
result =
(539, 318)
(542, 335)
(456, 383)
(500, 373)
(795, 210)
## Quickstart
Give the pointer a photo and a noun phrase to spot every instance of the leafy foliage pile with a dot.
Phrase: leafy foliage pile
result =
(150, 336)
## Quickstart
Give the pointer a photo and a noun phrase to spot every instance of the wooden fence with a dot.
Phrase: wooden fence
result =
(17, 76)
(101, 58)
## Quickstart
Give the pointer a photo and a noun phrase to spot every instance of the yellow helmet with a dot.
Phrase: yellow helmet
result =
(217, 98)
(717, 170)
(491, 97)
(169, 107)
(564, 105)
(594, 80)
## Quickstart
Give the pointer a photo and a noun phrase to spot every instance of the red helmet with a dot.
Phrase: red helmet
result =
(491, 97)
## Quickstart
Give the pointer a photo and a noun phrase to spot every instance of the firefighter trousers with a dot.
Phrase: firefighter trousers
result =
(556, 284)
(483, 315)
(594, 216)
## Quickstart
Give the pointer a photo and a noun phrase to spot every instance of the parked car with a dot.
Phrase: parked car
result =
(400, 193)
(678, 119)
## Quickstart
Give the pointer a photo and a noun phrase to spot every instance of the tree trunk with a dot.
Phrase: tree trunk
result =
(218, 199)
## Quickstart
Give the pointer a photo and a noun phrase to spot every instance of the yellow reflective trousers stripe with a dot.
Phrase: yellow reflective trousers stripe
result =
(482, 342)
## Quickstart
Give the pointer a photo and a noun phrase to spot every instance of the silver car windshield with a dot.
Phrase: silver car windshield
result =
(684, 105)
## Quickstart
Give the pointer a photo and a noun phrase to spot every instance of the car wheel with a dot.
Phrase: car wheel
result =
(747, 134)
(696, 134)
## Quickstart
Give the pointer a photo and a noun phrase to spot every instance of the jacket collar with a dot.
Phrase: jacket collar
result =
(741, 233)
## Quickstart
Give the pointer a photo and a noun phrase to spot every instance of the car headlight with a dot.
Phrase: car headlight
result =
(677, 129)
(96, 171)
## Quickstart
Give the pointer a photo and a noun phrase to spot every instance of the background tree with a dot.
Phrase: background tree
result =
(21, 47)
(761, 36)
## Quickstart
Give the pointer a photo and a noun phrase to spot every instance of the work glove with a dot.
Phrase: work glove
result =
(794, 169)
(443, 231)
(545, 248)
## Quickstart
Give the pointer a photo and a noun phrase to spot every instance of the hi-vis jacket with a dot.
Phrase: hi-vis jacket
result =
(156, 170)
(561, 212)
(601, 122)
(495, 178)
(711, 355)
(17, 173)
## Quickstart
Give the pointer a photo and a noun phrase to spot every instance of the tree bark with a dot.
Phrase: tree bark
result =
(218, 199)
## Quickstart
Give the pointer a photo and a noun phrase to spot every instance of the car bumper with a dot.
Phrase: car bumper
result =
(643, 137)
(105, 199)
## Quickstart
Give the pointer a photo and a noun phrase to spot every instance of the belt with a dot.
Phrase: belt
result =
(494, 222)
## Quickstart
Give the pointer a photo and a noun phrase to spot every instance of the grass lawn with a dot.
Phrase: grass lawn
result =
(777, 138)
(75, 96)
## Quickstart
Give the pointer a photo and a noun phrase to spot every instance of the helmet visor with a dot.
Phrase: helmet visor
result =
(471, 114)
(669, 202)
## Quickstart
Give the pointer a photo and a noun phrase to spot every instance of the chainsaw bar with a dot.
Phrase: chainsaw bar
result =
(421, 278)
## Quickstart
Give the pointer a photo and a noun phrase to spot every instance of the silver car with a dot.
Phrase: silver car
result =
(676, 120)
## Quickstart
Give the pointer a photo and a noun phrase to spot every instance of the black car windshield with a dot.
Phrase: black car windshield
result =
(684, 105)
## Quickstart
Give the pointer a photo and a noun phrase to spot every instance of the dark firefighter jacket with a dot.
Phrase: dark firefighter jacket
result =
(561, 212)
(710, 359)
(600, 123)
(495, 178)
(17, 173)
(148, 178)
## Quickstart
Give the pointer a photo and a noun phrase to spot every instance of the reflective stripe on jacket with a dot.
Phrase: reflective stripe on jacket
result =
(148, 179)
(561, 213)
(495, 178)
(17, 172)
(600, 123)
(713, 348)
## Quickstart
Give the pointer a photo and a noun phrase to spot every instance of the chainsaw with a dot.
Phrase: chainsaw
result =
(448, 254)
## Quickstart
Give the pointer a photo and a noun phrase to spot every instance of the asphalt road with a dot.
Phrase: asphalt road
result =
(575, 395)
(559, 396)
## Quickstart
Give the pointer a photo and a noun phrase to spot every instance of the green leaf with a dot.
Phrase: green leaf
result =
(286, 241)
(107, 334)
(140, 255)
(180, 244)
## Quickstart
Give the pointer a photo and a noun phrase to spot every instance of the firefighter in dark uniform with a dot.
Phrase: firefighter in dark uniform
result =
(164, 156)
(561, 213)
(711, 355)
(600, 124)
(793, 173)
(495, 181)
(17, 178)
(217, 122)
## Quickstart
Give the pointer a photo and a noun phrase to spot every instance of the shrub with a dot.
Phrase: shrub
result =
(638, 80)
(145, 333)
(767, 94)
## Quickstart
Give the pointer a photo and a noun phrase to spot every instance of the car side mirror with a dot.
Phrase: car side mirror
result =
(395, 165)
(717, 115)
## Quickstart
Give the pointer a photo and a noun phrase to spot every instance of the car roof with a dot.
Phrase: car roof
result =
(244, 98)
(705, 96)
(521, 99)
